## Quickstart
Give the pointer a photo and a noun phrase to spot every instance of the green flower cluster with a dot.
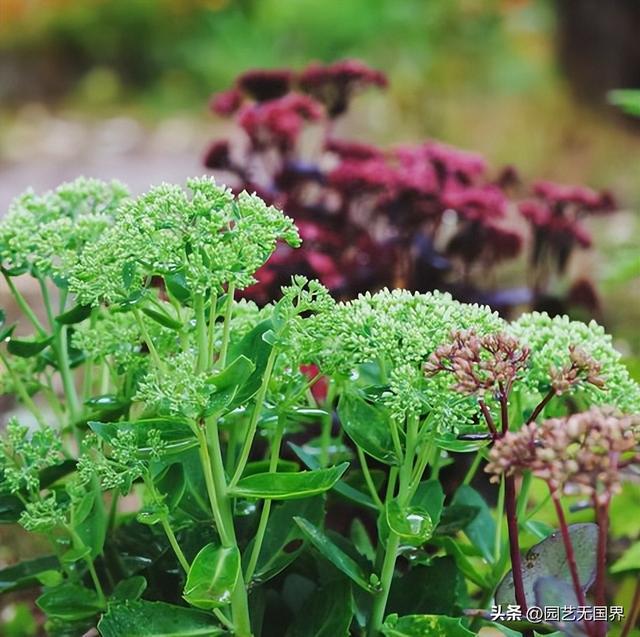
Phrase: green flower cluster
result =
(49, 232)
(205, 233)
(550, 341)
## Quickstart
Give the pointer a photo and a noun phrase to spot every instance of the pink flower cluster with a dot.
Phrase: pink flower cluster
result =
(420, 216)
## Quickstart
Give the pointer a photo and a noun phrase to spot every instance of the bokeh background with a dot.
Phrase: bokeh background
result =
(120, 88)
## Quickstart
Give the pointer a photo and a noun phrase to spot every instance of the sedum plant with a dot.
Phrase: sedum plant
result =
(199, 465)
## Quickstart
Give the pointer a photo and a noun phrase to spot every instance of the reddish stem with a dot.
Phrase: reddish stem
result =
(514, 541)
(543, 403)
(632, 617)
(602, 519)
(488, 418)
(571, 557)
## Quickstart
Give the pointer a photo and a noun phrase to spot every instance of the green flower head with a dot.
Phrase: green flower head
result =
(205, 233)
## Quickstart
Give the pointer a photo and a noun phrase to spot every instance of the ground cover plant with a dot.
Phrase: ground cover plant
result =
(420, 216)
(200, 465)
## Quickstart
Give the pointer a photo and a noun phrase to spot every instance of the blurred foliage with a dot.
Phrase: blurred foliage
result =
(181, 49)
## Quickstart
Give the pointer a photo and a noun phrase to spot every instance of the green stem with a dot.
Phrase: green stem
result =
(473, 469)
(201, 335)
(153, 352)
(368, 479)
(327, 421)
(69, 387)
(171, 536)
(24, 306)
(266, 508)
(253, 424)
(22, 392)
(226, 330)
(212, 325)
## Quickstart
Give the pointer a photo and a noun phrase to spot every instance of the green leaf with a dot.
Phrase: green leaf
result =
(172, 484)
(163, 319)
(10, 508)
(156, 619)
(27, 349)
(253, 347)
(174, 431)
(335, 555)
(76, 314)
(287, 486)
(212, 577)
(482, 529)
(424, 626)
(326, 613)
(129, 589)
(75, 555)
(455, 518)
(226, 385)
(176, 283)
(548, 559)
(344, 489)
(368, 427)
(450, 442)
(551, 591)
(69, 602)
(630, 560)
(7, 331)
(430, 496)
(438, 588)
(413, 524)
(91, 527)
(25, 574)
(283, 539)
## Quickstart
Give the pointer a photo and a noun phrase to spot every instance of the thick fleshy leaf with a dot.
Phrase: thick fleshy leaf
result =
(176, 283)
(129, 589)
(25, 574)
(283, 539)
(425, 626)
(430, 496)
(336, 555)
(553, 592)
(69, 602)
(630, 560)
(10, 508)
(227, 384)
(413, 524)
(257, 350)
(326, 613)
(163, 319)
(368, 426)
(27, 348)
(91, 522)
(450, 442)
(482, 529)
(76, 314)
(438, 588)
(212, 577)
(157, 619)
(288, 486)
(341, 487)
(548, 559)
(175, 432)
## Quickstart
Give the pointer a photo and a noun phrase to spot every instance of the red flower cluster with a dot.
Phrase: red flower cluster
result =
(420, 216)
(556, 215)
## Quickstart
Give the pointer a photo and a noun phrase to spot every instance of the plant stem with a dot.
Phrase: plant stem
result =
(568, 547)
(253, 423)
(24, 306)
(171, 536)
(473, 469)
(153, 352)
(201, 335)
(541, 406)
(226, 330)
(393, 541)
(514, 542)
(22, 392)
(266, 507)
(632, 617)
(327, 421)
(368, 479)
(602, 518)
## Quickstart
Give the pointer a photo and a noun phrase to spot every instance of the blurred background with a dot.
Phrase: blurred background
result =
(120, 88)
